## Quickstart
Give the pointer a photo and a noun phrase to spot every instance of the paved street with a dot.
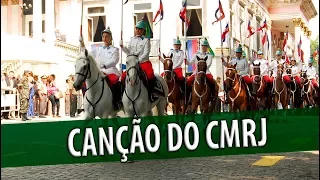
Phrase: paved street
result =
(299, 166)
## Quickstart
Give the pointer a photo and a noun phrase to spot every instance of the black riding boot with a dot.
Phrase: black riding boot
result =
(151, 84)
(116, 94)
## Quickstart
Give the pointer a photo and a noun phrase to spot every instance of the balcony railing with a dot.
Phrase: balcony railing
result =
(70, 50)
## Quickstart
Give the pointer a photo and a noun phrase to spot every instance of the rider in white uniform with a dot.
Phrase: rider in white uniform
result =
(107, 57)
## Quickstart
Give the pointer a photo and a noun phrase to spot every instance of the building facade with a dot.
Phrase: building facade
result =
(49, 20)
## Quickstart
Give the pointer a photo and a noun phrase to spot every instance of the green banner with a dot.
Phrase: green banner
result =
(217, 134)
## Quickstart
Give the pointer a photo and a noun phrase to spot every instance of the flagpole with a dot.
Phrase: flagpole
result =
(81, 25)
(185, 50)
(221, 46)
(159, 46)
(121, 35)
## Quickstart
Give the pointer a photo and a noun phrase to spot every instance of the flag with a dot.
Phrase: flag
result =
(287, 58)
(285, 40)
(264, 38)
(268, 41)
(249, 28)
(264, 25)
(183, 13)
(299, 47)
(221, 13)
(159, 12)
(193, 46)
(125, 2)
(149, 33)
(223, 35)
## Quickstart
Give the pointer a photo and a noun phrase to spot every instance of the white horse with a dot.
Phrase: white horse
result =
(135, 98)
(98, 97)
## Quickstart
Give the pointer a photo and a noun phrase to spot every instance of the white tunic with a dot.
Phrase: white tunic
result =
(263, 66)
(242, 65)
(295, 71)
(274, 67)
(138, 46)
(311, 72)
(201, 55)
(177, 58)
(107, 59)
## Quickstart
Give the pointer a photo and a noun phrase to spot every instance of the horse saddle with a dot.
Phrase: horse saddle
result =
(158, 88)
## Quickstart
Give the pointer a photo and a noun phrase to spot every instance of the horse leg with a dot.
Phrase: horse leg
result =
(161, 106)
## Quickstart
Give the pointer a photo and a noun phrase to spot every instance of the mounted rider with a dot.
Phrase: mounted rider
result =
(242, 69)
(201, 54)
(178, 56)
(140, 45)
(263, 69)
(107, 57)
(311, 74)
(295, 72)
(274, 67)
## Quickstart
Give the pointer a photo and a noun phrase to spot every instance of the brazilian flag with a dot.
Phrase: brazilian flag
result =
(211, 51)
(149, 33)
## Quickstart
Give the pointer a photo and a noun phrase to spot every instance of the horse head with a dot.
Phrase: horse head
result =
(202, 69)
(82, 68)
(289, 71)
(133, 69)
(168, 68)
(256, 72)
(231, 75)
(304, 77)
(280, 69)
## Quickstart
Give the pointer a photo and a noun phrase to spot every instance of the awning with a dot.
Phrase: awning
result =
(20, 48)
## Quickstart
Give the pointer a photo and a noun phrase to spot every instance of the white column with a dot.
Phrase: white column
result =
(297, 34)
(37, 20)
(307, 50)
(49, 21)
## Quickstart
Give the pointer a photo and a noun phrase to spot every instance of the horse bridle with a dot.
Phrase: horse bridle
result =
(239, 82)
(88, 72)
(254, 78)
(133, 68)
(170, 71)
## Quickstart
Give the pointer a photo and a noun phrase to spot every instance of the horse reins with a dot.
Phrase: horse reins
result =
(86, 76)
(135, 83)
(240, 86)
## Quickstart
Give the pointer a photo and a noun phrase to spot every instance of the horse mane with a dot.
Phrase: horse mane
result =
(90, 58)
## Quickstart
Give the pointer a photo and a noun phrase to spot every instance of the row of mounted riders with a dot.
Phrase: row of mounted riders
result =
(263, 92)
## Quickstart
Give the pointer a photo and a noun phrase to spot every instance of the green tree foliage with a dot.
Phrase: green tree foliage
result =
(314, 44)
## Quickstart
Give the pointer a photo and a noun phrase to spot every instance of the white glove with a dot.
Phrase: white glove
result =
(121, 43)
(80, 39)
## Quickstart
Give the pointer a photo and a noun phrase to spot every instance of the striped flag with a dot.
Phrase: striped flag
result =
(264, 25)
(183, 14)
(264, 38)
(223, 35)
(299, 47)
(249, 28)
(285, 40)
(149, 33)
(193, 46)
(159, 12)
(221, 13)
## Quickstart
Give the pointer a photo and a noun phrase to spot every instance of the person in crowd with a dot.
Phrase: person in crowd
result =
(73, 97)
(52, 89)
(36, 102)
(23, 88)
(31, 81)
(43, 92)
(67, 97)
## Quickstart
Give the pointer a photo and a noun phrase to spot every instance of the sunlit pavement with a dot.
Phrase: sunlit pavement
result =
(282, 166)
